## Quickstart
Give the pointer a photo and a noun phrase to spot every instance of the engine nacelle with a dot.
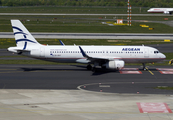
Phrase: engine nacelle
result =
(166, 12)
(115, 64)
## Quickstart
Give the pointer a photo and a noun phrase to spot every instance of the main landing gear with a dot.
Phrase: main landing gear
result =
(89, 67)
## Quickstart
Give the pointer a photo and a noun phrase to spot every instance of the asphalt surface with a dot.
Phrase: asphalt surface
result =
(94, 35)
(164, 48)
(70, 77)
(62, 77)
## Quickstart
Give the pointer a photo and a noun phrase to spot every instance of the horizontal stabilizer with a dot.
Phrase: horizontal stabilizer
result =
(16, 49)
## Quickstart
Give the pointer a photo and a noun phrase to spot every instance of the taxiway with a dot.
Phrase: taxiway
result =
(71, 77)
(95, 35)
(70, 92)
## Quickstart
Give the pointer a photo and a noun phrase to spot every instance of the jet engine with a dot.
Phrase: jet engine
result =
(166, 12)
(115, 64)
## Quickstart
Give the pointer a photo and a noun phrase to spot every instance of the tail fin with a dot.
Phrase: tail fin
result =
(22, 36)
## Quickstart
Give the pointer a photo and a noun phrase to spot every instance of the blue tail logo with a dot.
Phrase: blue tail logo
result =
(23, 39)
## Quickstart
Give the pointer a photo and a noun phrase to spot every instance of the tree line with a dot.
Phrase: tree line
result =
(137, 3)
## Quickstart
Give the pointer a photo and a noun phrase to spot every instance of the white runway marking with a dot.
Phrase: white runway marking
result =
(165, 70)
(130, 71)
(153, 108)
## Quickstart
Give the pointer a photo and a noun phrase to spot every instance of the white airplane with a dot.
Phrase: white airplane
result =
(109, 57)
(161, 10)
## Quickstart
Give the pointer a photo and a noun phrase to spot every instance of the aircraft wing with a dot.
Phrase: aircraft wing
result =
(92, 59)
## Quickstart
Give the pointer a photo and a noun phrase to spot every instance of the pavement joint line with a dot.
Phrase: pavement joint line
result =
(8, 69)
(11, 72)
(75, 112)
(47, 70)
(16, 110)
(54, 111)
(28, 71)
(149, 71)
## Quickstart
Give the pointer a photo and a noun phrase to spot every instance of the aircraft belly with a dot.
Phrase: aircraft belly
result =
(140, 60)
(62, 60)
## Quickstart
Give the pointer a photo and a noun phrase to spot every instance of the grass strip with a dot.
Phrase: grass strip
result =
(92, 28)
(164, 88)
(73, 9)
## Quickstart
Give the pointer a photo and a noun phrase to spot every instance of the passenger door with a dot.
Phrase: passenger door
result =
(146, 52)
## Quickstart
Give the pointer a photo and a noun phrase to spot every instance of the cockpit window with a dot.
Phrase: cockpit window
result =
(156, 52)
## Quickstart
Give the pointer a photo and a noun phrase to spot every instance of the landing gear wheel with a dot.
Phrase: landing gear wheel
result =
(94, 69)
(144, 67)
(103, 67)
(89, 67)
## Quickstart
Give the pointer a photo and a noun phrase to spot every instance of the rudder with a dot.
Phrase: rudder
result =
(22, 36)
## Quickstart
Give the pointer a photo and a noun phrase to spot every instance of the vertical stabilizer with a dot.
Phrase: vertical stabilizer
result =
(22, 36)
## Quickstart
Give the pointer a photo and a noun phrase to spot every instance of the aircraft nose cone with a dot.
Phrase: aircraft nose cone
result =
(163, 56)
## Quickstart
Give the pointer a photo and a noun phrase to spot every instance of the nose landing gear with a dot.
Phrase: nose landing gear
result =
(144, 67)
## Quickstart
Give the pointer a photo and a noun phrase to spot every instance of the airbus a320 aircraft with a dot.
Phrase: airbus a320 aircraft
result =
(109, 57)
(161, 10)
